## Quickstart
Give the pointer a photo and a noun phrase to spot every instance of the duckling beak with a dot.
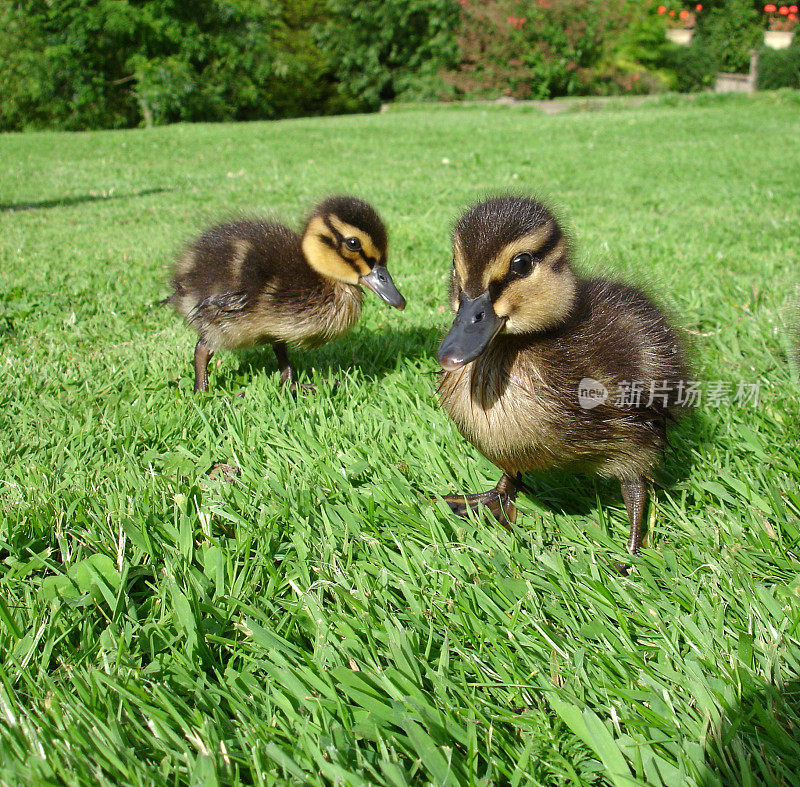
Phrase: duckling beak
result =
(475, 326)
(379, 280)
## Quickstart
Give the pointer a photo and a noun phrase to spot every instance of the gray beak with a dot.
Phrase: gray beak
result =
(475, 326)
(380, 282)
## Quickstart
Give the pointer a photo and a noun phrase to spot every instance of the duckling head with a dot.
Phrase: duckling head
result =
(345, 240)
(511, 274)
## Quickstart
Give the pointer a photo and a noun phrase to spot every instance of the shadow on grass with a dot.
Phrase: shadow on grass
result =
(374, 353)
(577, 494)
(60, 202)
(758, 741)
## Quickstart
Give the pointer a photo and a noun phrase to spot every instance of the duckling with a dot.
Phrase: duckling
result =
(252, 282)
(543, 369)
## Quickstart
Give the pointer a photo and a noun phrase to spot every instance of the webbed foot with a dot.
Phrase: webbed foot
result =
(295, 387)
(500, 501)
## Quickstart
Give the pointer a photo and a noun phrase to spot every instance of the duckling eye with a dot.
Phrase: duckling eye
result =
(354, 244)
(522, 264)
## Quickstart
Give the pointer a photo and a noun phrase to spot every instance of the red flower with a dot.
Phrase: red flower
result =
(793, 17)
(672, 13)
(698, 7)
(770, 9)
(463, 3)
(684, 14)
(792, 9)
(783, 10)
(662, 9)
(635, 77)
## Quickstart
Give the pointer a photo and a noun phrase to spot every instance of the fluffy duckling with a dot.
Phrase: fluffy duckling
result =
(252, 282)
(542, 367)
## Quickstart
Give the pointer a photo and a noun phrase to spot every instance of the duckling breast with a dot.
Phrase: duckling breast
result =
(313, 321)
(506, 416)
(522, 418)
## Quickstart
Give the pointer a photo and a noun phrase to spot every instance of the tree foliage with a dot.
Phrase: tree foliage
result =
(112, 63)
(385, 50)
(729, 29)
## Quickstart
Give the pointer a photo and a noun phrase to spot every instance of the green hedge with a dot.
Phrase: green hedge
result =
(693, 67)
(383, 50)
(779, 68)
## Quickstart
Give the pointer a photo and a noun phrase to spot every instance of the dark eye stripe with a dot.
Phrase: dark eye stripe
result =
(336, 234)
(340, 240)
(549, 244)
(497, 287)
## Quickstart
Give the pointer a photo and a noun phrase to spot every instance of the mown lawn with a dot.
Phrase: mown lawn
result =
(314, 619)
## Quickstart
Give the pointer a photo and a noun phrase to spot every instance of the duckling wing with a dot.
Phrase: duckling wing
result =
(221, 308)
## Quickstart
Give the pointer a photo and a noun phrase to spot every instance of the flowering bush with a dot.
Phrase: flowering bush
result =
(680, 14)
(781, 17)
(542, 48)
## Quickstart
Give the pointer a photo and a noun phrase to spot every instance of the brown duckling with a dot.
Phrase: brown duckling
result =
(544, 369)
(251, 282)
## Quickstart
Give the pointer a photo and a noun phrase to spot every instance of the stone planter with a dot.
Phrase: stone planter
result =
(778, 39)
(680, 35)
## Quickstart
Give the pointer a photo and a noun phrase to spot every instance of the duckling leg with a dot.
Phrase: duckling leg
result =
(500, 501)
(287, 373)
(202, 355)
(634, 493)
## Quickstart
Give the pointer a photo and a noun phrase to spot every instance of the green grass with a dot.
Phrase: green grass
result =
(315, 620)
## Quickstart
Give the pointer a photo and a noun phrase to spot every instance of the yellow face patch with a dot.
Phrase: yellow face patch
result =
(555, 254)
(367, 244)
(539, 301)
(455, 290)
(497, 269)
(324, 259)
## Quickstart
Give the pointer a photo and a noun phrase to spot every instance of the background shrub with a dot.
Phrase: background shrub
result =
(729, 29)
(380, 51)
(778, 68)
(110, 63)
(693, 67)
(63, 64)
